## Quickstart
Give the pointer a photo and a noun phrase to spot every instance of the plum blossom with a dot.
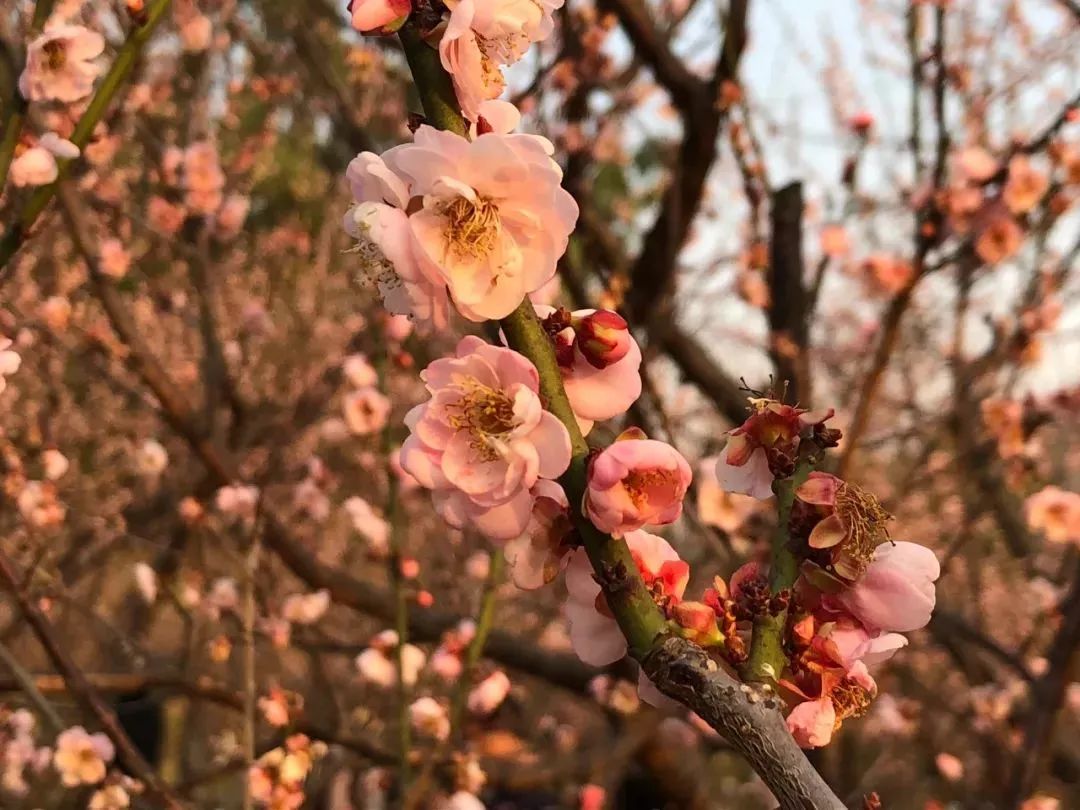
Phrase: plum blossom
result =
(896, 592)
(37, 165)
(113, 259)
(1056, 513)
(537, 556)
(379, 16)
(238, 501)
(366, 410)
(483, 35)
(594, 634)
(717, 507)
(110, 797)
(766, 444)
(488, 695)
(203, 178)
(9, 361)
(811, 723)
(487, 219)
(370, 524)
(151, 458)
(55, 464)
(1025, 187)
(378, 663)
(851, 527)
(636, 482)
(305, 608)
(60, 64)
(359, 371)
(430, 718)
(597, 389)
(82, 758)
(483, 440)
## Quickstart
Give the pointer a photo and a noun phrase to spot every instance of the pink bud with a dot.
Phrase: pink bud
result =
(603, 338)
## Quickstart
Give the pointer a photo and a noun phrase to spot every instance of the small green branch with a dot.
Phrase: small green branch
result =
(114, 79)
(485, 619)
(432, 83)
(767, 658)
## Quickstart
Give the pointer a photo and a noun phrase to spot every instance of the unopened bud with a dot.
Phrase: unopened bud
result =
(603, 338)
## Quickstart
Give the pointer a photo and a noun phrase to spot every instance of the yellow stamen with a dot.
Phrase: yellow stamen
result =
(56, 53)
(864, 518)
(472, 227)
(486, 413)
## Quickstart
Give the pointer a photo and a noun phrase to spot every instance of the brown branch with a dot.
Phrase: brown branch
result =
(788, 297)
(83, 691)
(652, 276)
(750, 722)
(1048, 694)
(688, 92)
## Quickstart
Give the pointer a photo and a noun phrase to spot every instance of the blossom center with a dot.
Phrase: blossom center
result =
(56, 54)
(864, 518)
(640, 484)
(472, 227)
(487, 414)
(850, 700)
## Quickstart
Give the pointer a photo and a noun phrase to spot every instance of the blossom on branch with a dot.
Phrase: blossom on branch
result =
(636, 482)
(60, 64)
(483, 440)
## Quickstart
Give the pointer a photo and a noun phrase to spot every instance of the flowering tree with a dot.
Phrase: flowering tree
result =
(235, 384)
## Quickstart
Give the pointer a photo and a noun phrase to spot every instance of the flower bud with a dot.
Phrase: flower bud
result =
(603, 338)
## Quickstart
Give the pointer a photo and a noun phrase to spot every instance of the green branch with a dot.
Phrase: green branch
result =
(114, 79)
(767, 657)
(632, 605)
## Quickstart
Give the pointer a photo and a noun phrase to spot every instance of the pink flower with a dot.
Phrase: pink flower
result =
(196, 33)
(595, 393)
(366, 410)
(462, 800)
(998, 237)
(636, 482)
(151, 458)
(429, 718)
(203, 178)
(231, 216)
(37, 165)
(305, 608)
(811, 723)
(540, 552)
(367, 522)
(238, 501)
(383, 248)
(1025, 187)
(594, 634)
(483, 440)
(1056, 513)
(849, 643)
(976, 164)
(379, 16)
(765, 446)
(950, 767)
(114, 260)
(481, 36)
(9, 361)
(494, 219)
(358, 371)
(81, 758)
(896, 592)
(55, 464)
(489, 694)
(60, 66)
(146, 582)
(164, 216)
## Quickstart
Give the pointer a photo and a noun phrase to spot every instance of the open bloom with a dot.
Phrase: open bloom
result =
(493, 219)
(366, 410)
(1056, 513)
(594, 634)
(896, 592)
(608, 384)
(636, 482)
(483, 440)
(766, 444)
(429, 717)
(203, 178)
(305, 608)
(37, 165)
(489, 694)
(60, 64)
(82, 758)
(482, 35)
